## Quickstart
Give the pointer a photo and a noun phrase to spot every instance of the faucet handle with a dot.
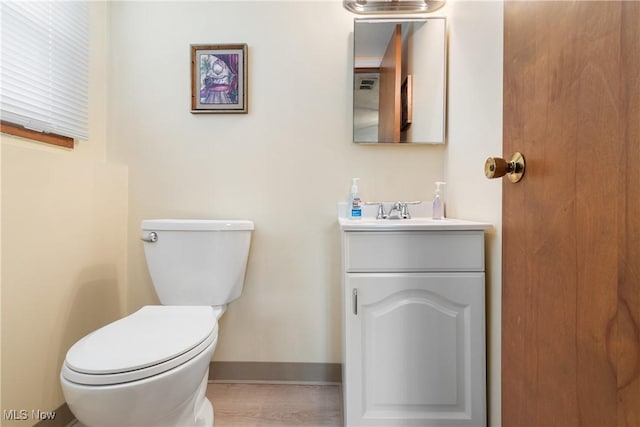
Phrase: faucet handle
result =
(404, 208)
(381, 213)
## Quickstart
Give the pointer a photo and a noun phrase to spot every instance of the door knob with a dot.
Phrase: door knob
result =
(495, 167)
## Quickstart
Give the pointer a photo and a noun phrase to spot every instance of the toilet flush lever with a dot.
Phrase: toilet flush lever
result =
(151, 237)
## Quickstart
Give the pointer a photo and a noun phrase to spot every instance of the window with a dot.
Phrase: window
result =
(44, 69)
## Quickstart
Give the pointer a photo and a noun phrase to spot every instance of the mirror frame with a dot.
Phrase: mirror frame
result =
(441, 138)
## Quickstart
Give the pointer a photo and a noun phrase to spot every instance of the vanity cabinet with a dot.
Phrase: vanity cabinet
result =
(414, 328)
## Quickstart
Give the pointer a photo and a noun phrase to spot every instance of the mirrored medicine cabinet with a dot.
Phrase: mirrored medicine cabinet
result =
(399, 80)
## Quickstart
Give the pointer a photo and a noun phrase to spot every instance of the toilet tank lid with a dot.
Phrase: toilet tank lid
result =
(196, 224)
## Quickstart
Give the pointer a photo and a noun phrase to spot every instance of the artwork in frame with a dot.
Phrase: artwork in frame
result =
(219, 78)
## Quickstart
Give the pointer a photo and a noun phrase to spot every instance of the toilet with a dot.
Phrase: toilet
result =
(151, 367)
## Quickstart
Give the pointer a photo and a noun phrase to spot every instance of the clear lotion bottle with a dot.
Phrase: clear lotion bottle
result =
(438, 204)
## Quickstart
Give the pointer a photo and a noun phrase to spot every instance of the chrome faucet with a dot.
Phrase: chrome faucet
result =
(381, 214)
(401, 210)
(398, 207)
(404, 211)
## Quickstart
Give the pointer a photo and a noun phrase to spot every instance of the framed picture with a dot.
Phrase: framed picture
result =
(219, 78)
(406, 103)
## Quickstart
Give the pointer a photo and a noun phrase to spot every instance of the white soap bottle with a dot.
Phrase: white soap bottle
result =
(355, 204)
(438, 204)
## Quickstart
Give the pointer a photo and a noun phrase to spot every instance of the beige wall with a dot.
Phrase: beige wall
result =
(475, 133)
(284, 165)
(1, 239)
(64, 223)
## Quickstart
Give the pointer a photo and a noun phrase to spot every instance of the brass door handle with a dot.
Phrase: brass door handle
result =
(495, 167)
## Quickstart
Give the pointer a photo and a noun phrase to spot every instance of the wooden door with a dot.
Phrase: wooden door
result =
(571, 228)
(390, 75)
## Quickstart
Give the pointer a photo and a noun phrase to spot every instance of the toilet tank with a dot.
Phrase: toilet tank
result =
(197, 262)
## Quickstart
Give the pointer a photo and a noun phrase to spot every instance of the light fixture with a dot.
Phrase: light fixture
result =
(367, 7)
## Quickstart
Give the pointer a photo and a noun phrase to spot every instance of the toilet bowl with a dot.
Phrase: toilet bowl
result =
(151, 367)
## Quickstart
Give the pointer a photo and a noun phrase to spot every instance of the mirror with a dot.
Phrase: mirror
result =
(399, 75)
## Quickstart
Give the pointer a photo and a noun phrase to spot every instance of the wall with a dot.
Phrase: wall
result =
(475, 133)
(64, 222)
(284, 165)
(1, 240)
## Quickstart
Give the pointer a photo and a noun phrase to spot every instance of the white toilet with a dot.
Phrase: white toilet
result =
(151, 367)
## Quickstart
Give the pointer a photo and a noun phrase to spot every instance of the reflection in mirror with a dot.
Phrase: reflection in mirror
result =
(399, 80)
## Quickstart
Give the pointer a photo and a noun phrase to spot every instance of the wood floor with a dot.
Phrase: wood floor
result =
(265, 405)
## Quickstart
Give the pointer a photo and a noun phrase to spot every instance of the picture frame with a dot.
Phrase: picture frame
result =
(406, 103)
(219, 78)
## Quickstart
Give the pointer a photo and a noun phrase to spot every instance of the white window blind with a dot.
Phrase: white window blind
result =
(44, 66)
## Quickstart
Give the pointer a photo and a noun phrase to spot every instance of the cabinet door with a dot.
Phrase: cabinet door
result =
(414, 349)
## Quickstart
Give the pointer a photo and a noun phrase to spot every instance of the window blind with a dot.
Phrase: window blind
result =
(44, 66)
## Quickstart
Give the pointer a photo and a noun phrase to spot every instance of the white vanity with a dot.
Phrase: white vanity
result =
(413, 322)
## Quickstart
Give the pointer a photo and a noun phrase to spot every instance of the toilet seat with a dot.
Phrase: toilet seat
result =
(148, 342)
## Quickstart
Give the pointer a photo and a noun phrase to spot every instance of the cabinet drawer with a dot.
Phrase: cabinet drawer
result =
(414, 251)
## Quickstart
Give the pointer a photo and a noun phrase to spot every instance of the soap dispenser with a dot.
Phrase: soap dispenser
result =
(438, 204)
(355, 204)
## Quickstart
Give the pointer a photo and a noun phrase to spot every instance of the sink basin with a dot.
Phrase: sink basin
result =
(420, 220)
(416, 223)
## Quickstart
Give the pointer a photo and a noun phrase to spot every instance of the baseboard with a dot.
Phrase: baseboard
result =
(64, 418)
(275, 372)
